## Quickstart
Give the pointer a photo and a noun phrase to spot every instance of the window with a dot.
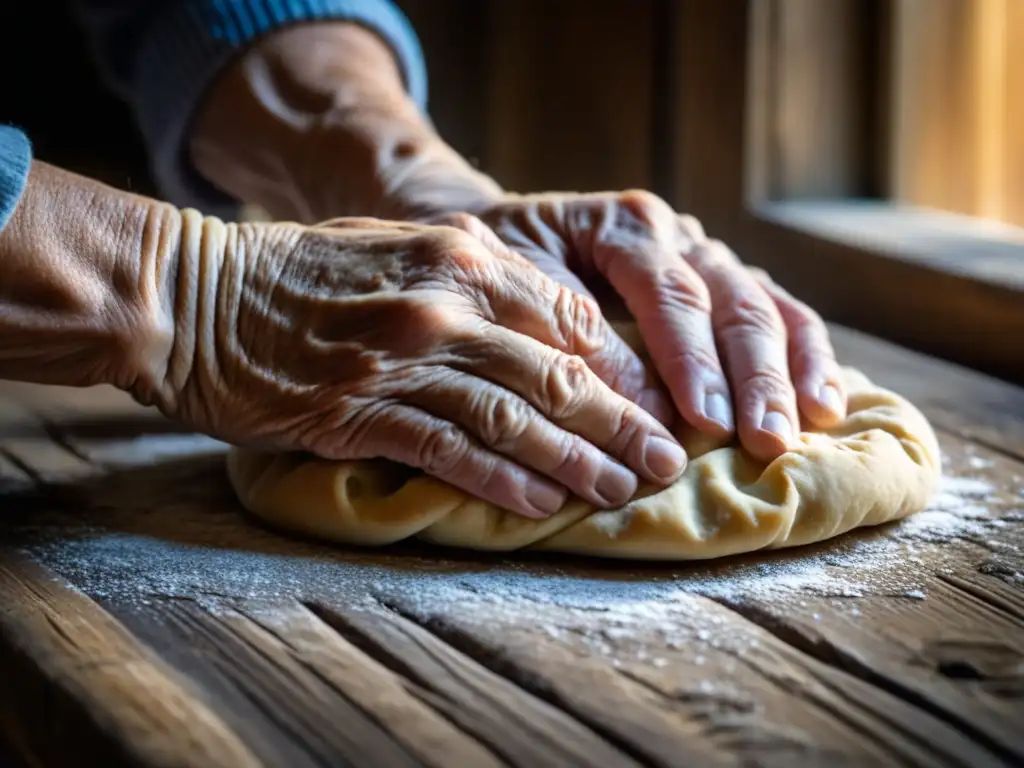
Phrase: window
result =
(851, 147)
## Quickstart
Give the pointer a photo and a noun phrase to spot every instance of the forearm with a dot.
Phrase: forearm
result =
(84, 283)
(314, 122)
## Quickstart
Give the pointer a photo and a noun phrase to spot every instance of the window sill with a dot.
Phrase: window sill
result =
(979, 249)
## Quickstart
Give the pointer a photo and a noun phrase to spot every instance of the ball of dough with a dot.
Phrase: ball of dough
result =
(880, 464)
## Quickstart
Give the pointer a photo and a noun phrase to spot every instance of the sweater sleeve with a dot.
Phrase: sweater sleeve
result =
(162, 55)
(15, 159)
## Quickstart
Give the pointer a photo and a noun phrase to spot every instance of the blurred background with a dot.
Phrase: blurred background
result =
(864, 151)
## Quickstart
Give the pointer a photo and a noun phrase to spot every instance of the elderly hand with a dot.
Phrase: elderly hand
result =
(356, 338)
(725, 340)
(313, 122)
(359, 338)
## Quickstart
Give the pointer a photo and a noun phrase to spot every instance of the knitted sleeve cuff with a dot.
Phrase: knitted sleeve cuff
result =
(190, 41)
(15, 159)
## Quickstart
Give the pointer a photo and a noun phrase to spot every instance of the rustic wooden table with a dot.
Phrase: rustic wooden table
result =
(145, 620)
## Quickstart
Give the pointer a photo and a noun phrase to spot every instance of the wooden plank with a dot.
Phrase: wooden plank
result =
(952, 102)
(735, 693)
(953, 652)
(810, 60)
(569, 94)
(523, 729)
(926, 616)
(961, 401)
(76, 681)
(393, 701)
(952, 314)
(283, 695)
(26, 443)
(643, 723)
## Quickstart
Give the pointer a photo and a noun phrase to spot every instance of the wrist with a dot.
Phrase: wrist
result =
(81, 297)
(314, 123)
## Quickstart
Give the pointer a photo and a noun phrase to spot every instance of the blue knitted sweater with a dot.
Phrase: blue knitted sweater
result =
(161, 55)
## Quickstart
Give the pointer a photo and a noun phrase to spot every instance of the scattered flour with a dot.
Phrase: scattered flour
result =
(620, 603)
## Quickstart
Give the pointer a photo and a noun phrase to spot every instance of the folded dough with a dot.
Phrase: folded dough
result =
(881, 464)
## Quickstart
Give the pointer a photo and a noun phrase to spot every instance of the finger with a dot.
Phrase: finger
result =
(408, 435)
(508, 425)
(820, 392)
(520, 296)
(641, 256)
(565, 313)
(566, 392)
(752, 338)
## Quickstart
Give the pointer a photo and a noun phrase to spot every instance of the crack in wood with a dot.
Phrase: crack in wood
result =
(731, 733)
(53, 431)
(467, 644)
(76, 678)
(23, 466)
(300, 704)
(524, 728)
(1013, 609)
(394, 702)
(819, 647)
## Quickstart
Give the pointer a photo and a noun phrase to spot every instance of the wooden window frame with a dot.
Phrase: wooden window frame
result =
(947, 285)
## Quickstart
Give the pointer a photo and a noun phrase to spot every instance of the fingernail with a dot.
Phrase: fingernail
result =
(777, 424)
(717, 408)
(616, 484)
(546, 499)
(664, 459)
(829, 397)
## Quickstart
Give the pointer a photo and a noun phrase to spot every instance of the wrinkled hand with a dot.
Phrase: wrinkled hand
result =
(359, 338)
(734, 349)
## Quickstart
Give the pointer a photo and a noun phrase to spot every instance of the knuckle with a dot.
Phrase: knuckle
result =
(769, 383)
(749, 315)
(576, 461)
(677, 289)
(456, 247)
(502, 421)
(464, 222)
(566, 385)
(645, 205)
(581, 321)
(423, 319)
(693, 359)
(442, 451)
(691, 227)
(712, 256)
(761, 276)
(807, 319)
(806, 359)
(812, 351)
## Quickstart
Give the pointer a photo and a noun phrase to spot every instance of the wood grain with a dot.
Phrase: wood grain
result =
(308, 655)
(751, 694)
(73, 675)
(569, 94)
(954, 105)
(720, 135)
(523, 729)
(976, 407)
(810, 63)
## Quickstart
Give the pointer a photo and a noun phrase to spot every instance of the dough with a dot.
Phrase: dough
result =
(881, 464)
